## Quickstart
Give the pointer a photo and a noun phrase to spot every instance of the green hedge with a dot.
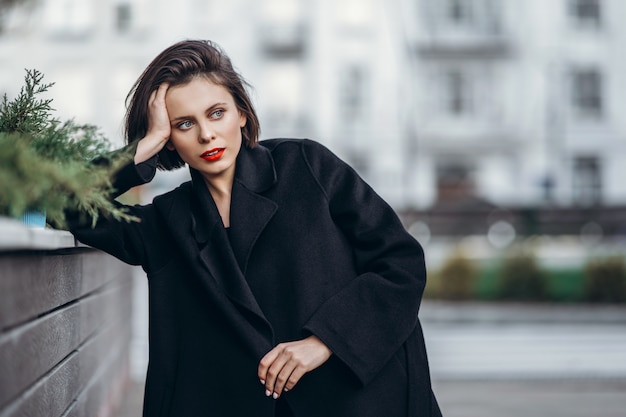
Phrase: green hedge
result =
(562, 284)
(600, 279)
(605, 280)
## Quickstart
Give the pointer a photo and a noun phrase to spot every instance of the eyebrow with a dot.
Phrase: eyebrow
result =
(221, 104)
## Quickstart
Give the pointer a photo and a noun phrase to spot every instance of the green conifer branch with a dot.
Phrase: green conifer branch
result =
(45, 164)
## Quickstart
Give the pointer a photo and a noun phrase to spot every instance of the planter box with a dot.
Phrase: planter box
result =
(34, 219)
(64, 328)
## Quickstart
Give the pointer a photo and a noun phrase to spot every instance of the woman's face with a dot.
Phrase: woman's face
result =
(206, 127)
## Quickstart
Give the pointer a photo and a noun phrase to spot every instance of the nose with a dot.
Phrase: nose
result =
(206, 133)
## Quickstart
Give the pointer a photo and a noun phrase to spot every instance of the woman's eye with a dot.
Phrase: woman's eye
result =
(185, 125)
(217, 114)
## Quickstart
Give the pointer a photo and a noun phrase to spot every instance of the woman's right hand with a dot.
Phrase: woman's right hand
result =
(159, 128)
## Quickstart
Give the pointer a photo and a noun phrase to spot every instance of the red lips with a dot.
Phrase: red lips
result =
(213, 154)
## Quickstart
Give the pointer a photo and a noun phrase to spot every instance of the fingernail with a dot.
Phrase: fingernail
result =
(286, 389)
(268, 393)
(262, 381)
(274, 396)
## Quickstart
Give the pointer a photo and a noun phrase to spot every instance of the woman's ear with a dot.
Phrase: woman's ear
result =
(242, 119)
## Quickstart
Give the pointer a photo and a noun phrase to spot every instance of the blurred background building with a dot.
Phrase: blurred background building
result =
(513, 103)
(517, 102)
(482, 122)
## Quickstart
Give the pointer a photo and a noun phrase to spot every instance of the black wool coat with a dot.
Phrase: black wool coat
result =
(312, 249)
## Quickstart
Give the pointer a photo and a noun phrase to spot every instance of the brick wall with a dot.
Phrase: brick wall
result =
(65, 327)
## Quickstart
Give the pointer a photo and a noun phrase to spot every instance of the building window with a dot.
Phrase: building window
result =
(586, 14)
(352, 93)
(69, 18)
(282, 102)
(123, 17)
(282, 29)
(587, 181)
(456, 93)
(465, 16)
(455, 181)
(586, 93)
(459, 12)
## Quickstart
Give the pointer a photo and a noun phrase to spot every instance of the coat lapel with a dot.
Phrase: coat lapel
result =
(214, 251)
(198, 234)
(250, 212)
(225, 258)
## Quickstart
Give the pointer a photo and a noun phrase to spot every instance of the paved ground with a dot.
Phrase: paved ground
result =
(133, 401)
(524, 398)
(502, 398)
(490, 360)
(483, 341)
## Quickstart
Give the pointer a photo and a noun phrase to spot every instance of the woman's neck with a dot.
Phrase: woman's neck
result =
(221, 189)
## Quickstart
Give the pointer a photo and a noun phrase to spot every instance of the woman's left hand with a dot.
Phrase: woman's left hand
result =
(282, 367)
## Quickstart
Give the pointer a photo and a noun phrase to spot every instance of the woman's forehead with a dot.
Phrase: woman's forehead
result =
(200, 90)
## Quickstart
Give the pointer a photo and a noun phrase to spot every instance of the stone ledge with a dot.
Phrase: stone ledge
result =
(14, 235)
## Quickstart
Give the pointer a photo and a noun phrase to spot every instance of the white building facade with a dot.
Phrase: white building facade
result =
(516, 102)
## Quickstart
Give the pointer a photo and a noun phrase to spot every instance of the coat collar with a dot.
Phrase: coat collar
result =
(255, 171)
(226, 259)
(255, 168)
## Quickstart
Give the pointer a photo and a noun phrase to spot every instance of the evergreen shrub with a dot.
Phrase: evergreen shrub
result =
(456, 279)
(605, 279)
(521, 278)
(46, 165)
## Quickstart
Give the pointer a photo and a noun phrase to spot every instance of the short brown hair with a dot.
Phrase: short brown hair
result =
(178, 65)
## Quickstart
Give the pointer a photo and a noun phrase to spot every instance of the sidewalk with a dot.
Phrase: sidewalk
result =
(524, 398)
(525, 341)
(132, 403)
(513, 360)
(497, 398)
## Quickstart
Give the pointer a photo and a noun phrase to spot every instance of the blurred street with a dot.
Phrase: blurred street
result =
(510, 360)
(501, 341)
(537, 398)
(492, 127)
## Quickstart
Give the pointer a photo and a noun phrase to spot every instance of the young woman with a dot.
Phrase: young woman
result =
(280, 283)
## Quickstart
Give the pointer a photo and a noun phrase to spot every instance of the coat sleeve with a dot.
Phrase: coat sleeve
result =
(368, 320)
(124, 240)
